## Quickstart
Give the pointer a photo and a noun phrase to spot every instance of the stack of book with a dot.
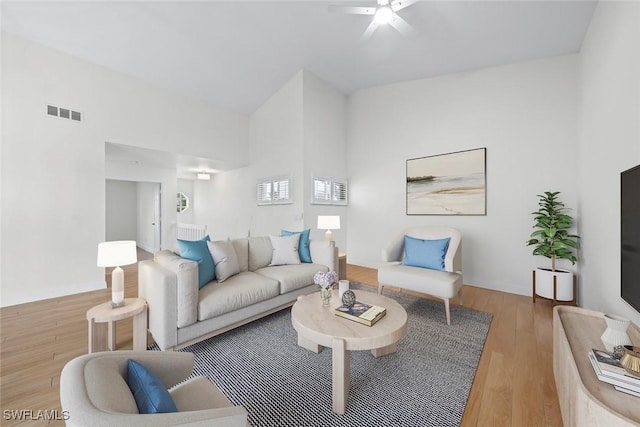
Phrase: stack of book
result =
(608, 369)
(362, 313)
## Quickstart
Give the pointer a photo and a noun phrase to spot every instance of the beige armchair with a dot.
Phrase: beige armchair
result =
(94, 392)
(444, 284)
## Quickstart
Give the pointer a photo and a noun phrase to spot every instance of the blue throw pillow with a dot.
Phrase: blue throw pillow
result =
(425, 253)
(303, 247)
(198, 251)
(151, 395)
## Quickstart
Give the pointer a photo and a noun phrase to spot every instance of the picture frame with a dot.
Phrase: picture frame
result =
(447, 184)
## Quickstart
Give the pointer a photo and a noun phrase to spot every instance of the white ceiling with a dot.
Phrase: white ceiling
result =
(235, 55)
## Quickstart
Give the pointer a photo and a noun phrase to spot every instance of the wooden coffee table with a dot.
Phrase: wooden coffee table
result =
(319, 327)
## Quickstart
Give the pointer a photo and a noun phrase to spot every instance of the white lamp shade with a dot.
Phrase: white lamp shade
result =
(204, 176)
(117, 253)
(329, 222)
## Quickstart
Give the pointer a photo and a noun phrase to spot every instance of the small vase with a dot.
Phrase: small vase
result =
(616, 333)
(325, 295)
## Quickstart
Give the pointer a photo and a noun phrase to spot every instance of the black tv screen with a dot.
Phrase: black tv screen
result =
(630, 236)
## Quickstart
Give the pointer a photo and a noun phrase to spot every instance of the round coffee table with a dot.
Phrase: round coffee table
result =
(319, 327)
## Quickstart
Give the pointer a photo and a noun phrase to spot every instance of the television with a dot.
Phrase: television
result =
(630, 236)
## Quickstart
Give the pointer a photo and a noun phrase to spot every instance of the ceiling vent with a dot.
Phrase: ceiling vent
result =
(64, 113)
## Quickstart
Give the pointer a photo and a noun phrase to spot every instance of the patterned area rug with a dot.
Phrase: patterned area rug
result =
(426, 383)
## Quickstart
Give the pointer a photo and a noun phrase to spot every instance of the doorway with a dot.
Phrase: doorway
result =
(133, 212)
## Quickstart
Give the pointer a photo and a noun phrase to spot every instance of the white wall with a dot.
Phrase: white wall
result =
(121, 210)
(186, 186)
(224, 204)
(60, 204)
(276, 148)
(325, 152)
(610, 143)
(524, 114)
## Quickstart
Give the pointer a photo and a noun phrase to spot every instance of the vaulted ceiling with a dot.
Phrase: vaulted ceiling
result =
(234, 55)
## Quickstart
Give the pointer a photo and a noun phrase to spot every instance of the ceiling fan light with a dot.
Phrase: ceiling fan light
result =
(383, 15)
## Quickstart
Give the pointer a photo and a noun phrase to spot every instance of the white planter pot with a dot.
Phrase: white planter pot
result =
(564, 284)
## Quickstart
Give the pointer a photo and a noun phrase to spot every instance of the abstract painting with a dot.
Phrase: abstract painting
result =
(448, 184)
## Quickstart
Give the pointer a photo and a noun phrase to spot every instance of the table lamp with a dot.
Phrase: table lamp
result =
(116, 254)
(329, 222)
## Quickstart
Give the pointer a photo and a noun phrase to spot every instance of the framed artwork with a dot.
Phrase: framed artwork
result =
(448, 184)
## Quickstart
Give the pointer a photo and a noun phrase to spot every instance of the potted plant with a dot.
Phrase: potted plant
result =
(552, 240)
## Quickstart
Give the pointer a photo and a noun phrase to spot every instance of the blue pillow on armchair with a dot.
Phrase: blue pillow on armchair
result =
(199, 251)
(150, 394)
(425, 253)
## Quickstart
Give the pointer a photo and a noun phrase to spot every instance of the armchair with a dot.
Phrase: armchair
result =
(94, 392)
(444, 284)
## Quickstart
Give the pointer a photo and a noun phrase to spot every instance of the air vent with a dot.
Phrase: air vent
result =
(64, 113)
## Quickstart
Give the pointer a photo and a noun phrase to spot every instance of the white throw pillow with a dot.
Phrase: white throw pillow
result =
(224, 258)
(285, 249)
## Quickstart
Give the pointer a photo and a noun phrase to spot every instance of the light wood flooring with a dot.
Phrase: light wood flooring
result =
(514, 384)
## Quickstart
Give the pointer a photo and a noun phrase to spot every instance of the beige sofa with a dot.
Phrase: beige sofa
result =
(94, 392)
(180, 314)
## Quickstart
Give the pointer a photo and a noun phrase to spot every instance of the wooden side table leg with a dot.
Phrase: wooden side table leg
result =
(112, 336)
(97, 336)
(341, 375)
(140, 331)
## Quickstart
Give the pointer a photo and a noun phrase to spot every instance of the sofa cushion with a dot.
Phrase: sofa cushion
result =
(285, 249)
(303, 246)
(151, 395)
(197, 394)
(224, 258)
(260, 252)
(198, 251)
(236, 292)
(425, 253)
(292, 277)
(242, 252)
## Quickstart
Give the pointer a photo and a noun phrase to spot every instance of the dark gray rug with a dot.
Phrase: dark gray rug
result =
(426, 383)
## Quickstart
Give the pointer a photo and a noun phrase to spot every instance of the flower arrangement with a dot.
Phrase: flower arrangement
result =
(325, 280)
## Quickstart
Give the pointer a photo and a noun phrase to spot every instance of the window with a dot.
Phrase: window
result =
(329, 191)
(274, 191)
(182, 202)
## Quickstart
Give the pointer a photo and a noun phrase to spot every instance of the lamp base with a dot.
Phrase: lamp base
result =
(117, 304)
(328, 235)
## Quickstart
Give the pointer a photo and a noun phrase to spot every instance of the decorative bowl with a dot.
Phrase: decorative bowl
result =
(631, 360)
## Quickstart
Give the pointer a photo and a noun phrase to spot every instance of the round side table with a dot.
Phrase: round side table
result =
(102, 327)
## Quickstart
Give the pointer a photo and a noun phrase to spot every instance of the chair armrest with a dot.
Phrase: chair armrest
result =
(325, 253)
(393, 251)
(157, 286)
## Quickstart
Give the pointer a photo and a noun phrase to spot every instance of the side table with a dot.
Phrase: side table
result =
(102, 327)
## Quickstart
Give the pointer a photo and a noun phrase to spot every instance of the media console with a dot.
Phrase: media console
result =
(584, 400)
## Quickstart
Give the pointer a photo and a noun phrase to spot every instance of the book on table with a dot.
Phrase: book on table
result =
(608, 369)
(360, 312)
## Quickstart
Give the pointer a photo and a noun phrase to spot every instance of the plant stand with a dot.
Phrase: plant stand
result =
(555, 291)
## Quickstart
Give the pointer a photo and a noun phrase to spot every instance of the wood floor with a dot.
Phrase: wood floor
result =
(514, 384)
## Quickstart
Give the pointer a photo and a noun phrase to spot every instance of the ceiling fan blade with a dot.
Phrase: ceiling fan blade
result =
(402, 26)
(353, 10)
(401, 4)
(369, 31)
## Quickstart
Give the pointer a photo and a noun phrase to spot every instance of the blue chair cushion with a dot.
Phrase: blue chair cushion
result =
(425, 253)
(199, 251)
(303, 247)
(151, 395)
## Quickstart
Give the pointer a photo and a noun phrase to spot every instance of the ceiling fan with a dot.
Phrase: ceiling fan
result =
(383, 14)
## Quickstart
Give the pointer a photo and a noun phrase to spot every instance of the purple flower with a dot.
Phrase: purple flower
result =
(325, 279)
